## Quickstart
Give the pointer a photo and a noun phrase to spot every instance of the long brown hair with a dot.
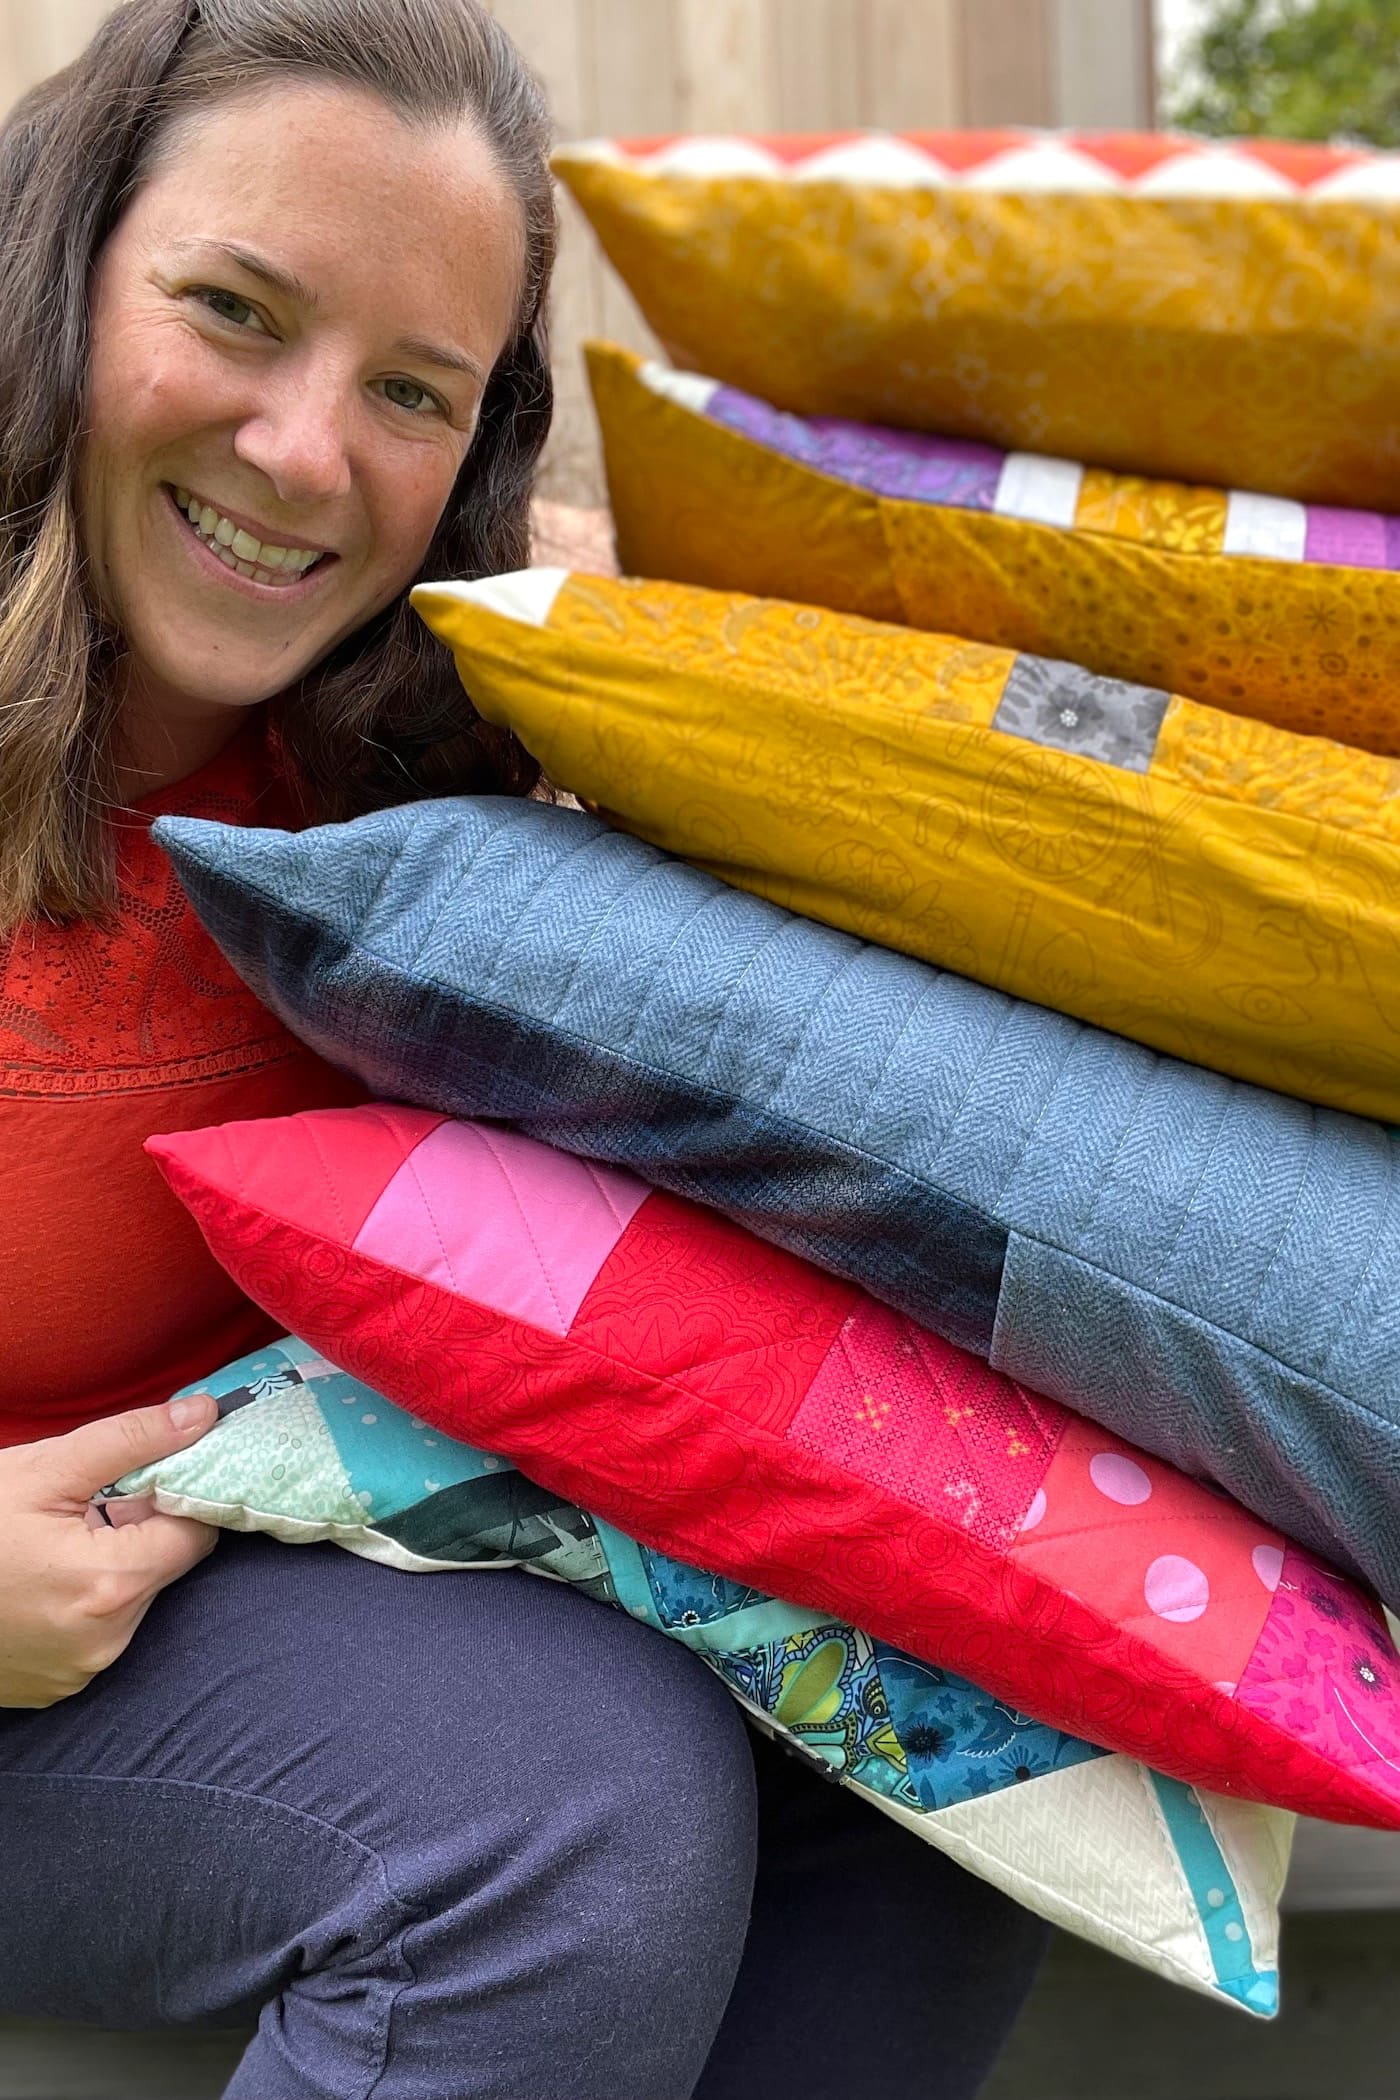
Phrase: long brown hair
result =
(383, 718)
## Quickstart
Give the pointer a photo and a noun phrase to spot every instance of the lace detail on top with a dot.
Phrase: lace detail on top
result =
(144, 1000)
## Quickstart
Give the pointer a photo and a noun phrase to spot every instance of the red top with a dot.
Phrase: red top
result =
(108, 1034)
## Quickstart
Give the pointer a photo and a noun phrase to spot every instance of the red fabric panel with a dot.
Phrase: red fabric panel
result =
(685, 1294)
(627, 1417)
(293, 1178)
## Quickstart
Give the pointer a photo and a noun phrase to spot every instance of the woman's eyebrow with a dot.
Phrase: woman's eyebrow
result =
(269, 273)
(295, 288)
(424, 352)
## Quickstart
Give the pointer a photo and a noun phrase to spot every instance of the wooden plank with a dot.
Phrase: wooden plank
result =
(1006, 69)
(724, 65)
(552, 37)
(821, 62)
(1102, 64)
(630, 59)
(627, 62)
(915, 65)
(39, 36)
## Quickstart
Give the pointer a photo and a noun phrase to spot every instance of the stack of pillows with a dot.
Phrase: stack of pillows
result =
(919, 1144)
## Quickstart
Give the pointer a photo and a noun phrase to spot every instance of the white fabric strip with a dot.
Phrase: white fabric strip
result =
(1042, 490)
(526, 595)
(1268, 527)
(687, 388)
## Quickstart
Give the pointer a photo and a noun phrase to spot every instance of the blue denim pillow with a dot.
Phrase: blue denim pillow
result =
(1208, 1269)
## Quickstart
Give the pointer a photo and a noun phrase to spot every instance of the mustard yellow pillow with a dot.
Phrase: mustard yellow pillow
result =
(1264, 607)
(1204, 313)
(1213, 887)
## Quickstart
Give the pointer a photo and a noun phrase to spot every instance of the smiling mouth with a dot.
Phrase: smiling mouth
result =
(259, 561)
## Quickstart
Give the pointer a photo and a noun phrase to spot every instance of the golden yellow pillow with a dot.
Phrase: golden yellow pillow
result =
(1213, 887)
(1203, 313)
(1286, 612)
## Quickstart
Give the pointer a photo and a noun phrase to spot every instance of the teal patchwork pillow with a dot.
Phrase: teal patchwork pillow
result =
(1183, 1882)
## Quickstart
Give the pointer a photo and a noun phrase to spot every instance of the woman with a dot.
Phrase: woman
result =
(273, 347)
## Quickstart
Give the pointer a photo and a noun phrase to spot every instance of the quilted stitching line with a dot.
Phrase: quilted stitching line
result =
(391, 867)
(410, 1167)
(706, 904)
(528, 903)
(595, 1175)
(916, 1006)
(1097, 1193)
(1016, 1165)
(794, 1453)
(595, 934)
(1189, 1205)
(806, 1022)
(1286, 1225)
(313, 1139)
(1003, 1023)
(503, 1169)
(1391, 1198)
(235, 1170)
(473, 862)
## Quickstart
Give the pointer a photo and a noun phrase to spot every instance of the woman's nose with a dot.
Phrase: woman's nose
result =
(299, 438)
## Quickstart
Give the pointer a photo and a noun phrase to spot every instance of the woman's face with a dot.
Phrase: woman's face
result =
(293, 325)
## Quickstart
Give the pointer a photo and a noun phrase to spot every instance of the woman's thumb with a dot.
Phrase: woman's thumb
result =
(101, 1452)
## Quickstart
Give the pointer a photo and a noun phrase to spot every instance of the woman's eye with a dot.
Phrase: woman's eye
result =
(406, 393)
(229, 307)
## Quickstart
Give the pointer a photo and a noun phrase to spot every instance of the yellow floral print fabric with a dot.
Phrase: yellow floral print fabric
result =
(1250, 342)
(1211, 886)
(1138, 588)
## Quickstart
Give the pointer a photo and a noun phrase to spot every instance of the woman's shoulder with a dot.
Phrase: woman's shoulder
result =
(142, 998)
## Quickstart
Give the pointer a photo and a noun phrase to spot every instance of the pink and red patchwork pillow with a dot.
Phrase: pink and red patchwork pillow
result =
(729, 1404)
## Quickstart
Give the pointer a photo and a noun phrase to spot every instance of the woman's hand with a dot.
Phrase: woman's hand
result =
(73, 1592)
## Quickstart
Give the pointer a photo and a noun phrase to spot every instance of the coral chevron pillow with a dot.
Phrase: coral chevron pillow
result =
(1184, 1883)
(1281, 611)
(1207, 313)
(729, 1404)
(1215, 888)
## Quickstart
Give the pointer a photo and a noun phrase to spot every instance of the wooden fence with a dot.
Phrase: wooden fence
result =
(649, 66)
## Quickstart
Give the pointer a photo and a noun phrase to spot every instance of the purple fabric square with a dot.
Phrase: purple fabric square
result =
(1349, 539)
(901, 463)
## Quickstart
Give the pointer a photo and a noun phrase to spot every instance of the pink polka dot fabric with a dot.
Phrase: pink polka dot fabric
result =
(1162, 1554)
(1218, 1604)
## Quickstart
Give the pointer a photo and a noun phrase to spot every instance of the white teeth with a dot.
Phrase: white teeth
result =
(238, 549)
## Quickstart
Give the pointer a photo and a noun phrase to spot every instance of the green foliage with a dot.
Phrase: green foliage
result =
(1295, 69)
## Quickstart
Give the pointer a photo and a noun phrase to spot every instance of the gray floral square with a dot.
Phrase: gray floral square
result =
(1070, 709)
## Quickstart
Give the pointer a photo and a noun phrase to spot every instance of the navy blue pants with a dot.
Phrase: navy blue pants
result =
(475, 1837)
